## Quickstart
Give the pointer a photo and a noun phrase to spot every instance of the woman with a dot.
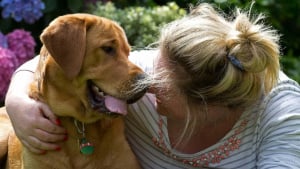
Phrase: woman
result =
(218, 99)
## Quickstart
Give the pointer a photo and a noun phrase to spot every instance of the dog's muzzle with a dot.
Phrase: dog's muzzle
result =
(104, 103)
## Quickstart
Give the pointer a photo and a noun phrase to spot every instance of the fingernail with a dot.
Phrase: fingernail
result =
(58, 122)
(66, 138)
(58, 148)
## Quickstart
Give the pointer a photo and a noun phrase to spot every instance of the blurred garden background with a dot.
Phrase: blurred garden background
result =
(22, 21)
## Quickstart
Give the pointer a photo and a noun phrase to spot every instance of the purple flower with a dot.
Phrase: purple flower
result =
(27, 10)
(7, 67)
(3, 41)
(22, 44)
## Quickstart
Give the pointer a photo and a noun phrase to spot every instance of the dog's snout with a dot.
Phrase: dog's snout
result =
(141, 76)
(140, 88)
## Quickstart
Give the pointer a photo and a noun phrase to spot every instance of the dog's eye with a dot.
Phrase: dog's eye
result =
(108, 49)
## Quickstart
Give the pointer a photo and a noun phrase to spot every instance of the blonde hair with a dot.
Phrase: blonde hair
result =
(197, 49)
(196, 52)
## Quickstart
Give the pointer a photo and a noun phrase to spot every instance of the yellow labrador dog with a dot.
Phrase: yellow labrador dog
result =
(84, 75)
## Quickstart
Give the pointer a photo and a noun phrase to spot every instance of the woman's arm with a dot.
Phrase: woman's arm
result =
(34, 123)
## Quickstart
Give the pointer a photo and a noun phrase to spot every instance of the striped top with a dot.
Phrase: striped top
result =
(266, 135)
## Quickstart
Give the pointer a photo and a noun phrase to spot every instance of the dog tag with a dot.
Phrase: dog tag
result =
(86, 147)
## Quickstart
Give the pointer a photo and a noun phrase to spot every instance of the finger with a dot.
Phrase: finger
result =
(33, 149)
(45, 110)
(50, 137)
(37, 144)
(48, 126)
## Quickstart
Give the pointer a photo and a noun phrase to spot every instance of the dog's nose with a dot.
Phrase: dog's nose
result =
(141, 76)
(140, 89)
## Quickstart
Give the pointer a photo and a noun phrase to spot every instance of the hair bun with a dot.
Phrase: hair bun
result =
(252, 43)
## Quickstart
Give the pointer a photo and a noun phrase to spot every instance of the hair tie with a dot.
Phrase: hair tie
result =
(235, 62)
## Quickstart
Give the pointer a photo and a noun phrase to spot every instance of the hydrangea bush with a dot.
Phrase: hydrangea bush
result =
(27, 10)
(15, 48)
(3, 40)
(22, 44)
(7, 67)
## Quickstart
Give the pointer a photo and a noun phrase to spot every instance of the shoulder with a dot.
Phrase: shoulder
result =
(285, 94)
(279, 124)
(29, 65)
(282, 102)
(144, 59)
(146, 53)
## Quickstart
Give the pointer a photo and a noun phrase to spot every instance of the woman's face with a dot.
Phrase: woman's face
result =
(170, 101)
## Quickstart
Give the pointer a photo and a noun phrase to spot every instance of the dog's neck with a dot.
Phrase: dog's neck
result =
(89, 135)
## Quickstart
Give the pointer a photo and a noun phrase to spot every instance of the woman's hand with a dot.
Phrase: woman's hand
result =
(35, 125)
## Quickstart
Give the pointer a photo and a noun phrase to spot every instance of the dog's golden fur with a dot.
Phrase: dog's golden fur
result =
(79, 49)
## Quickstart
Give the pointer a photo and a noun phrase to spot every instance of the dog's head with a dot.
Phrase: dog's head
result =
(89, 67)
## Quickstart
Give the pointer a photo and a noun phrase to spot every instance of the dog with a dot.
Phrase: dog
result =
(85, 77)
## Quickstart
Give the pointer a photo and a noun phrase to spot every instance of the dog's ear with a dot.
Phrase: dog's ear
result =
(65, 40)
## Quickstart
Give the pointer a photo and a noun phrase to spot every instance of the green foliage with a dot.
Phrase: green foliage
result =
(284, 16)
(141, 24)
(290, 66)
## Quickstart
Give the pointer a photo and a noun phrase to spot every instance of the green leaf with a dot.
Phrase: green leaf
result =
(75, 5)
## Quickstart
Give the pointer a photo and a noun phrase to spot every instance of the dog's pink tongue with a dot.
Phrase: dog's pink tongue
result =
(115, 105)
